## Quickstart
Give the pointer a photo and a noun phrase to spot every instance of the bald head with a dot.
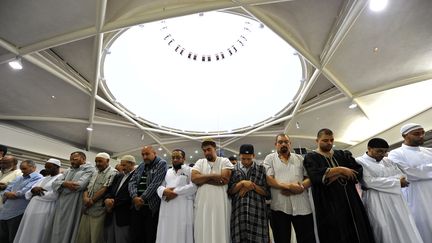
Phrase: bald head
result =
(148, 154)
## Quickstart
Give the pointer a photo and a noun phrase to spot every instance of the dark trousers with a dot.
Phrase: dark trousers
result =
(9, 228)
(281, 226)
(143, 226)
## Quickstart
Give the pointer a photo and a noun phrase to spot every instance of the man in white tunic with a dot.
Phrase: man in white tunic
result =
(416, 162)
(8, 171)
(92, 220)
(36, 224)
(212, 206)
(176, 210)
(387, 209)
(70, 186)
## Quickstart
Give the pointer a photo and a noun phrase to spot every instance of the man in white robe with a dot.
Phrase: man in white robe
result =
(176, 210)
(36, 224)
(70, 186)
(212, 206)
(388, 212)
(416, 162)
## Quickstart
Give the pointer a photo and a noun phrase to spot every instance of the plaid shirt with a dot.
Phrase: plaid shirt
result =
(156, 171)
(249, 222)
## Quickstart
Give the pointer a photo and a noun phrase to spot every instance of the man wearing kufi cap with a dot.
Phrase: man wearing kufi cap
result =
(248, 189)
(70, 186)
(176, 210)
(36, 224)
(92, 221)
(388, 212)
(118, 204)
(416, 162)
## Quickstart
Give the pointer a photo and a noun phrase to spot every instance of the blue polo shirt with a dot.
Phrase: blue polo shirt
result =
(22, 184)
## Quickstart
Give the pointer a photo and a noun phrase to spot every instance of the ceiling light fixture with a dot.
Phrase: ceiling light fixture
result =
(89, 128)
(352, 106)
(160, 149)
(377, 5)
(16, 63)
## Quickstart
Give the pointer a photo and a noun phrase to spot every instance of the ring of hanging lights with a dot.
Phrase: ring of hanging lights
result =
(177, 46)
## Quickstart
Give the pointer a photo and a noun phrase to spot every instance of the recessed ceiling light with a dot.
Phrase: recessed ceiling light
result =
(259, 153)
(375, 49)
(16, 63)
(377, 5)
(89, 129)
(191, 156)
(352, 106)
(160, 149)
(164, 155)
(53, 97)
(196, 151)
(273, 150)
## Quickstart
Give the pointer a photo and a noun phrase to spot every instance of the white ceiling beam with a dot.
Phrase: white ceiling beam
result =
(8, 46)
(303, 95)
(66, 120)
(58, 40)
(396, 84)
(142, 14)
(97, 57)
(283, 33)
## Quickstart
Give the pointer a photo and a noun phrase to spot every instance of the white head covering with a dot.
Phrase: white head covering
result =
(54, 161)
(405, 129)
(103, 155)
(129, 158)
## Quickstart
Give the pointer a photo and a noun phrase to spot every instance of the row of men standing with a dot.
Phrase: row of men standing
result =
(209, 216)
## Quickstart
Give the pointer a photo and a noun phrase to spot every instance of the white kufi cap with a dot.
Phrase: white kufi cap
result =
(405, 129)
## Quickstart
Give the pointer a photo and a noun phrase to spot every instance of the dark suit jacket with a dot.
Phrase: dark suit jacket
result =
(122, 201)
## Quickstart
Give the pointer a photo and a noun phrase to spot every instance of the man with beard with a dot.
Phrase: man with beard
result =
(389, 215)
(15, 202)
(248, 189)
(36, 224)
(340, 214)
(8, 171)
(290, 201)
(118, 204)
(92, 220)
(145, 201)
(70, 186)
(416, 162)
(176, 210)
(212, 207)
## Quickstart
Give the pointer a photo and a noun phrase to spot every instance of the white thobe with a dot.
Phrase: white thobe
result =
(416, 163)
(212, 206)
(388, 212)
(36, 223)
(176, 216)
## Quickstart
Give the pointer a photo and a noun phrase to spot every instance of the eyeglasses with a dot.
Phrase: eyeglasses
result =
(283, 141)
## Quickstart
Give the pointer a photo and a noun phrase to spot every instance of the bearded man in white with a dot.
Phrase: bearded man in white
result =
(212, 206)
(176, 210)
(416, 162)
(388, 212)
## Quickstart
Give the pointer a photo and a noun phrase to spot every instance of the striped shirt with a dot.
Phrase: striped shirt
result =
(292, 172)
(154, 174)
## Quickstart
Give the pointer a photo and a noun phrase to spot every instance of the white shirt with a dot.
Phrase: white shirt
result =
(292, 172)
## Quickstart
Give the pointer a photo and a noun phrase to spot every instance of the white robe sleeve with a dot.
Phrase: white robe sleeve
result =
(186, 190)
(414, 173)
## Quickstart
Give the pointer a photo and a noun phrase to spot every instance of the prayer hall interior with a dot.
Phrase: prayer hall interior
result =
(114, 75)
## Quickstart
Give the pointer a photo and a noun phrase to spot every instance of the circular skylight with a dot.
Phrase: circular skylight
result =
(205, 72)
